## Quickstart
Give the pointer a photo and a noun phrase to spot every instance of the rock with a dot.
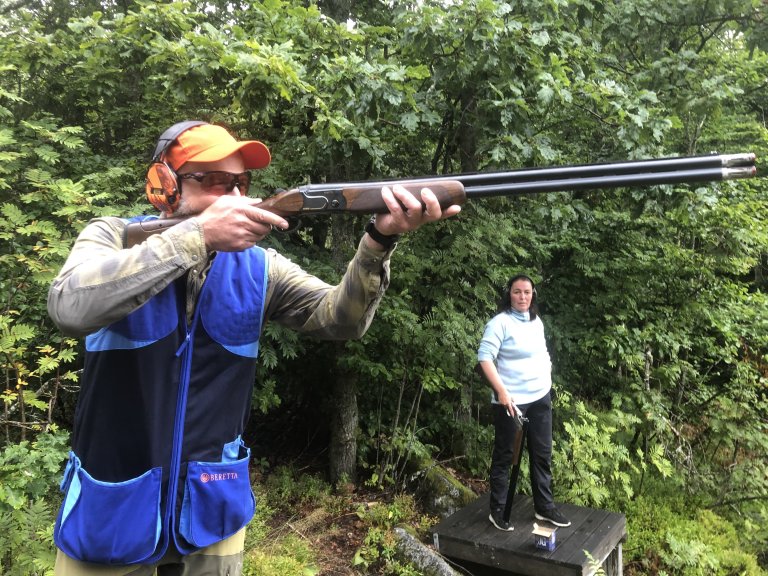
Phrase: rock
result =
(420, 556)
(439, 492)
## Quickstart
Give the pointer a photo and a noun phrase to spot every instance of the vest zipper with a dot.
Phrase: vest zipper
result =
(185, 351)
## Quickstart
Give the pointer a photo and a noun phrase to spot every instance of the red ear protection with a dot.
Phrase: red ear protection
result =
(162, 187)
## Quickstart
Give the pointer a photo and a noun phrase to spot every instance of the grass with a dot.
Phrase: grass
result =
(303, 528)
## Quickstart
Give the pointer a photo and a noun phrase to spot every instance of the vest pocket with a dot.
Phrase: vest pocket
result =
(109, 522)
(218, 501)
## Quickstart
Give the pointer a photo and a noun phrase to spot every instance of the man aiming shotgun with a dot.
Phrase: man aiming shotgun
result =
(157, 479)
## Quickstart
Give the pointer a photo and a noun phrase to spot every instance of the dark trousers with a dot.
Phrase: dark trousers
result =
(539, 444)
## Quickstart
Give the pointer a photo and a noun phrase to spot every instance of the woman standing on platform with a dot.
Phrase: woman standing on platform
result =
(513, 358)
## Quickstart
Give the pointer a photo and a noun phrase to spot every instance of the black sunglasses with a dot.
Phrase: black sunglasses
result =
(225, 180)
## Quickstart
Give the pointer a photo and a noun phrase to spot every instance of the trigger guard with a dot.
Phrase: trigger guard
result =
(294, 223)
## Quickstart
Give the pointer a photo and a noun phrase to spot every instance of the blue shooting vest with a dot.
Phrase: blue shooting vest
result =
(157, 456)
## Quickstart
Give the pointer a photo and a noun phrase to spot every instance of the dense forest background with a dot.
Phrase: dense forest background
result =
(654, 298)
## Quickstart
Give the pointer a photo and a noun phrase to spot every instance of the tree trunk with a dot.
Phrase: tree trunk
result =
(343, 450)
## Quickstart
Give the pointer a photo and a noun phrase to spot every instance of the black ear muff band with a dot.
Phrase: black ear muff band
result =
(162, 186)
(170, 135)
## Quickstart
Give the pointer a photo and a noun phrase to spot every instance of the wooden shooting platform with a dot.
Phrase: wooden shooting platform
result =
(468, 538)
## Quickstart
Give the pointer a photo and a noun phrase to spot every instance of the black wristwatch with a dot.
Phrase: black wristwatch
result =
(385, 240)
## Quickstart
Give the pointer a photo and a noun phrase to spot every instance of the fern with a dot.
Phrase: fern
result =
(29, 474)
(26, 546)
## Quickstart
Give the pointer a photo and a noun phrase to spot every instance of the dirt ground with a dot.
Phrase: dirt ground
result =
(335, 537)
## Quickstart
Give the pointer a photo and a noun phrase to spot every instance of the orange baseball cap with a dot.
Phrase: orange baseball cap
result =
(210, 143)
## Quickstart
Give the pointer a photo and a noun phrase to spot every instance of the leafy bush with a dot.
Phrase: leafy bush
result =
(666, 534)
(592, 462)
(29, 500)
(379, 549)
(288, 488)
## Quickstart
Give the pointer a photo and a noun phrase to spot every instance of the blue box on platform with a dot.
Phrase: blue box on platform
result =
(544, 537)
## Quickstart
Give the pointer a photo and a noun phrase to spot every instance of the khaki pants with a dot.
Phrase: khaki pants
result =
(224, 558)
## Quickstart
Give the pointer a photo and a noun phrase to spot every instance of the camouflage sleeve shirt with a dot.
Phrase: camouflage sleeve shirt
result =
(101, 282)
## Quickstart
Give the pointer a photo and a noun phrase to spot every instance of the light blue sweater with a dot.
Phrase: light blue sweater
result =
(518, 348)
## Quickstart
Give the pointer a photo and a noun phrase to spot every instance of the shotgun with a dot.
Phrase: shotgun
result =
(365, 197)
(518, 445)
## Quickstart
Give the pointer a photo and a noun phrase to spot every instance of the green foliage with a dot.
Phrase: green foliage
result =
(27, 469)
(39, 213)
(29, 475)
(594, 468)
(285, 550)
(653, 298)
(275, 552)
(288, 501)
(666, 534)
(269, 556)
(289, 488)
(379, 549)
(26, 544)
(292, 556)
